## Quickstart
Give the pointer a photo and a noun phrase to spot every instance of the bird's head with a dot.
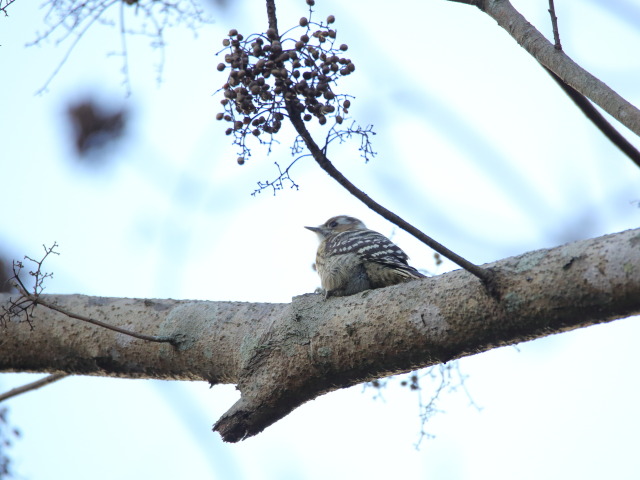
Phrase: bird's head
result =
(341, 223)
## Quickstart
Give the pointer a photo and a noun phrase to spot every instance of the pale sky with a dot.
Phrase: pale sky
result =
(476, 145)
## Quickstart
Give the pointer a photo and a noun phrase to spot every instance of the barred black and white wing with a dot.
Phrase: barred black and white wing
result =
(373, 247)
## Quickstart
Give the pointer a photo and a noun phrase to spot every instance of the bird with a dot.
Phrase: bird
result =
(351, 258)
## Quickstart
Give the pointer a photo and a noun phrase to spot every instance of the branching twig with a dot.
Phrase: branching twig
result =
(26, 303)
(33, 385)
(141, 336)
(278, 183)
(72, 18)
(3, 6)
(450, 378)
(443, 378)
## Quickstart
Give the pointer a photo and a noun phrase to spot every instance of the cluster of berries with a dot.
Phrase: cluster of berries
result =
(272, 77)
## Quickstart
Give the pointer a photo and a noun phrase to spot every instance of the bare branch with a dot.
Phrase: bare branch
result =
(560, 64)
(37, 300)
(282, 355)
(322, 160)
(32, 386)
(598, 120)
(72, 19)
(25, 305)
(3, 6)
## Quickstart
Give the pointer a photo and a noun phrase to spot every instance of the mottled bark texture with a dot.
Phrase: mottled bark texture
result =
(282, 355)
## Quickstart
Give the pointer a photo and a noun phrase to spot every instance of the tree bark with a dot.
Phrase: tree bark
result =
(282, 355)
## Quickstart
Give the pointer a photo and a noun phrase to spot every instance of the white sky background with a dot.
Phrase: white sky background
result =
(477, 146)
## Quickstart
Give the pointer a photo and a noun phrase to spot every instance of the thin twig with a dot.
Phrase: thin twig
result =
(33, 385)
(125, 53)
(598, 119)
(554, 23)
(485, 275)
(38, 301)
(3, 8)
(33, 299)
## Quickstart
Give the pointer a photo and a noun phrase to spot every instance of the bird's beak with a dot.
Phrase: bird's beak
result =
(314, 229)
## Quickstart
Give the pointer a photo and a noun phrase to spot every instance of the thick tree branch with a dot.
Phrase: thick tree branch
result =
(282, 355)
(559, 63)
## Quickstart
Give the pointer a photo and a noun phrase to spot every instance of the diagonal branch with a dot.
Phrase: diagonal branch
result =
(585, 105)
(558, 62)
(598, 120)
(324, 163)
(14, 392)
(37, 300)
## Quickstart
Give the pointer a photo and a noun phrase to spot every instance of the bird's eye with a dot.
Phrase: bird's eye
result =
(333, 224)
